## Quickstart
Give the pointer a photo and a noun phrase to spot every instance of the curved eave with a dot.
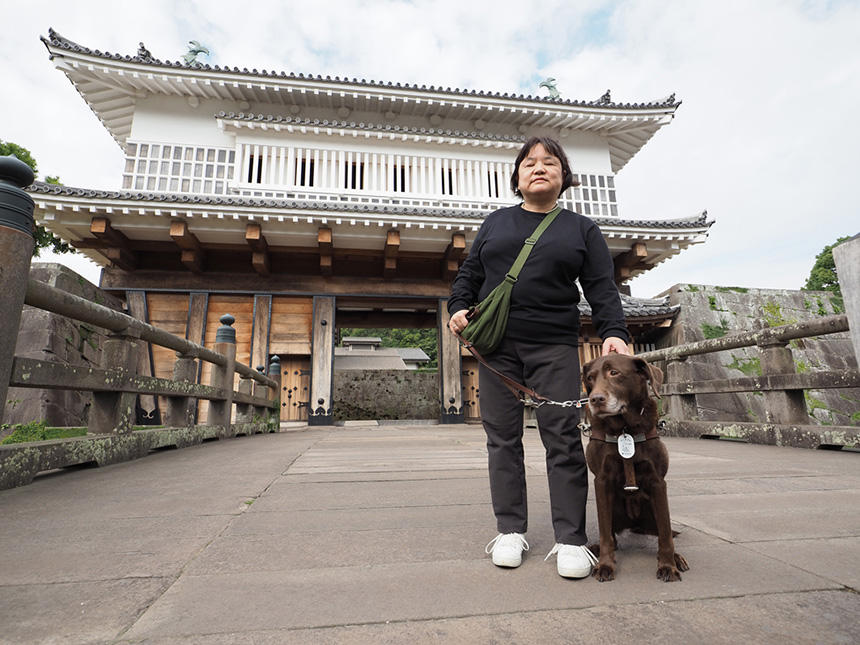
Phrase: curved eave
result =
(111, 84)
(68, 212)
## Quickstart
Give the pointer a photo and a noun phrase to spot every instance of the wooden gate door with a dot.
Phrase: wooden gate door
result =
(295, 387)
(471, 393)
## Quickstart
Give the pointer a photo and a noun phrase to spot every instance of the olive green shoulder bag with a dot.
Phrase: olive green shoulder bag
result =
(489, 318)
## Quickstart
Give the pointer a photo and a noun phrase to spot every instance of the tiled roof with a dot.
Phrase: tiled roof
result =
(375, 127)
(637, 307)
(351, 207)
(144, 57)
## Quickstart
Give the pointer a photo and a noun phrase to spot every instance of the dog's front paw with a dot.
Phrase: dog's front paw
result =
(668, 573)
(604, 572)
(681, 562)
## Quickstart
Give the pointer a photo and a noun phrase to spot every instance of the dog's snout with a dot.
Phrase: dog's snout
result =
(597, 398)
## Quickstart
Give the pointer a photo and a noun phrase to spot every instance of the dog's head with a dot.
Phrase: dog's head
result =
(616, 382)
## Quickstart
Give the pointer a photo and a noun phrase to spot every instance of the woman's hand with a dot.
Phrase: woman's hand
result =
(458, 321)
(615, 344)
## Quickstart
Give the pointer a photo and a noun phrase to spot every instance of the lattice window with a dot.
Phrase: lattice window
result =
(177, 168)
(596, 195)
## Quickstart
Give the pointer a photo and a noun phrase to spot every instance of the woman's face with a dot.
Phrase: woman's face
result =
(540, 175)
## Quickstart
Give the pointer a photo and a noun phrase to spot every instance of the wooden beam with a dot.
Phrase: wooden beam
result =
(192, 252)
(260, 262)
(324, 242)
(259, 247)
(392, 246)
(117, 251)
(626, 262)
(453, 255)
(255, 238)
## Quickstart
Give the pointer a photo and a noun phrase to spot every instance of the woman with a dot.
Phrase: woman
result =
(539, 349)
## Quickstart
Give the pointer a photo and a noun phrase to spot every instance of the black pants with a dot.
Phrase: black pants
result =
(551, 370)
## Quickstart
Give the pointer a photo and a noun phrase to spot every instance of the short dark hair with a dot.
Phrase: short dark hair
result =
(554, 148)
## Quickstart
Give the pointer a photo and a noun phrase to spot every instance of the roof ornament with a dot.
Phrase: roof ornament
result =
(549, 84)
(605, 99)
(194, 50)
(144, 54)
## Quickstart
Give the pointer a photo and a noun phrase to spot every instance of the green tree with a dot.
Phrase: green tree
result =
(44, 238)
(823, 275)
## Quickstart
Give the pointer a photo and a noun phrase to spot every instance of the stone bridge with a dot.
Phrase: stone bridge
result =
(376, 533)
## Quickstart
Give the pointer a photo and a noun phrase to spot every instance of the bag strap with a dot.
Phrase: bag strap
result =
(517, 266)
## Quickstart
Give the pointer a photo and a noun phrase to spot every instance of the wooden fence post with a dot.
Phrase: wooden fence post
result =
(181, 409)
(450, 390)
(781, 406)
(245, 411)
(16, 250)
(113, 412)
(682, 407)
(275, 393)
(221, 411)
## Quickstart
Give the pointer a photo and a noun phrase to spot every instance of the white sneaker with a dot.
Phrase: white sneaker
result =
(507, 549)
(573, 561)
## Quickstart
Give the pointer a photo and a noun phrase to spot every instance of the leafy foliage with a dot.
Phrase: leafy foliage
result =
(44, 238)
(423, 338)
(38, 431)
(823, 275)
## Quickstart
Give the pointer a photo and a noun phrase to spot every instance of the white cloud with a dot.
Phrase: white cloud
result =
(764, 140)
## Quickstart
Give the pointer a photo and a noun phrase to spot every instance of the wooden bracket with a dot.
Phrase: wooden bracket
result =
(259, 248)
(192, 251)
(392, 247)
(453, 255)
(325, 244)
(627, 262)
(117, 250)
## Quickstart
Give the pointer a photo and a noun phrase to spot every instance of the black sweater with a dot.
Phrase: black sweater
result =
(544, 298)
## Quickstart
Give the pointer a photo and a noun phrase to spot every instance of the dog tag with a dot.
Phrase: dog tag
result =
(626, 446)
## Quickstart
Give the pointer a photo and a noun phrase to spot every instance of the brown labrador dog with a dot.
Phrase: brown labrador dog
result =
(630, 489)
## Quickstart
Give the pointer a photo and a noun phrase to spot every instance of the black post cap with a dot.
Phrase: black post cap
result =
(226, 333)
(16, 206)
(275, 365)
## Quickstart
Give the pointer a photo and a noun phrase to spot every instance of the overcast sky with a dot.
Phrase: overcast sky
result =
(766, 139)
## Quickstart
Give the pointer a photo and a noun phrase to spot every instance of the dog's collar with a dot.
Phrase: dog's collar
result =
(600, 435)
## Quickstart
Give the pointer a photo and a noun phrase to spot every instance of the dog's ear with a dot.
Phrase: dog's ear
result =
(585, 369)
(652, 373)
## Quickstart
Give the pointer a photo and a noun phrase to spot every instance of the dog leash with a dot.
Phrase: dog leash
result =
(525, 395)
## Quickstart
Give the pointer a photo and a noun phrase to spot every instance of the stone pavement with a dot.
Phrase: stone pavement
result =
(376, 535)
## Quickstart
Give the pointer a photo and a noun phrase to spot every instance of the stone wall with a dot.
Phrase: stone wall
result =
(49, 337)
(709, 312)
(385, 394)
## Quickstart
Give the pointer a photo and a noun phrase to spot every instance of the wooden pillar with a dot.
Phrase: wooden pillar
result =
(781, 406)
(220, 412)
(322, 363)
(451, 393)
(181, 409)
(16, 250)
(113, 412)
(682, 407)
(260, 334)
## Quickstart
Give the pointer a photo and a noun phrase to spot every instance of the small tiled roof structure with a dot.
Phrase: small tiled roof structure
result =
(414, 355)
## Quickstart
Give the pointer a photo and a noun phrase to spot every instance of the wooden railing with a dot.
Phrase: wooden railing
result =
(787, 420)
(115, 387)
